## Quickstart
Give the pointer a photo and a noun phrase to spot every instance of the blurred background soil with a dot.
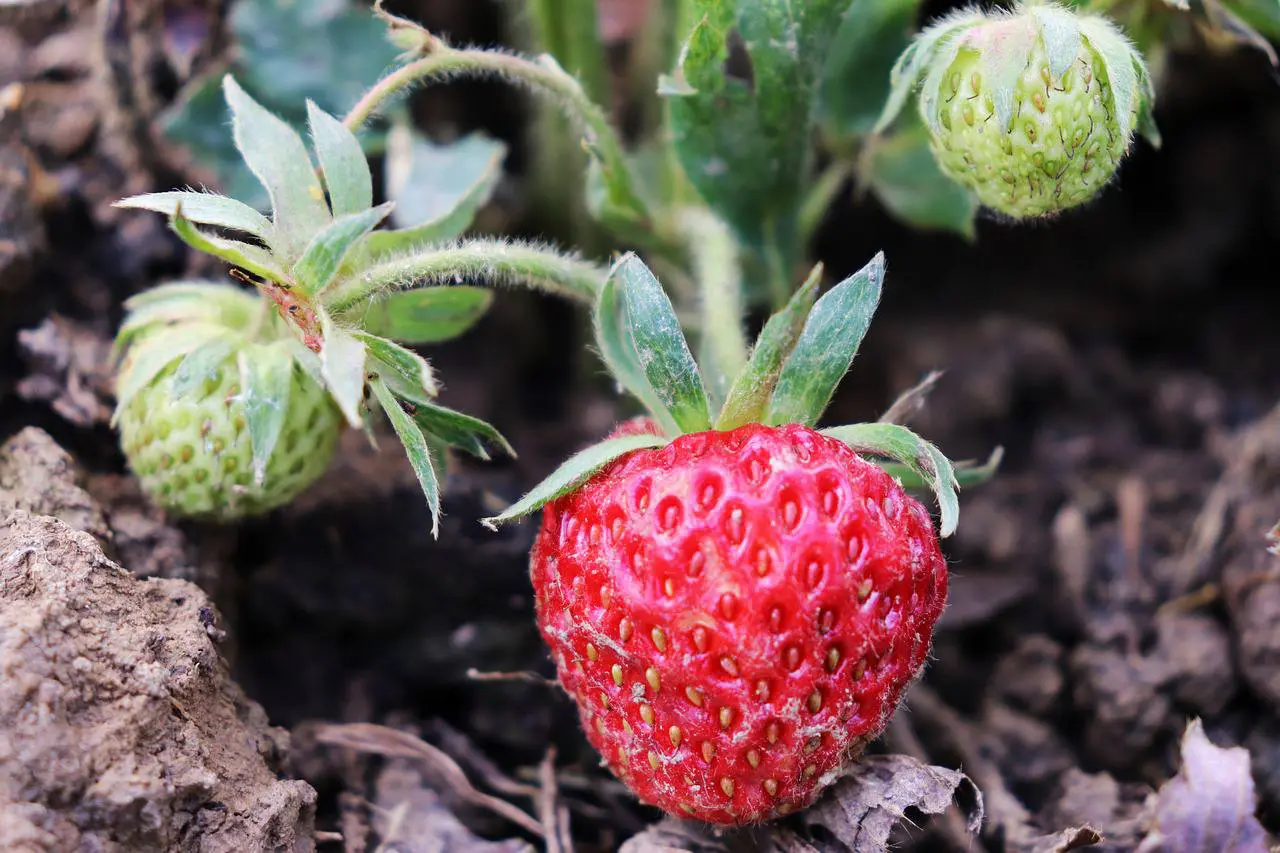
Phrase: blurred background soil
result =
(1110, 584)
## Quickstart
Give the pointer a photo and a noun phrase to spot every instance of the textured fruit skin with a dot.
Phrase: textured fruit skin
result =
(737, 614)
(193, 457)
(1064, 145)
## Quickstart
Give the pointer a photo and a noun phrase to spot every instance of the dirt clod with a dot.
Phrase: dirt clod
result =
(38, 476)
(120, 729)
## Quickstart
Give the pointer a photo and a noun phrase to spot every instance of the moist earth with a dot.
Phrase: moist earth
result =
(1112, 584)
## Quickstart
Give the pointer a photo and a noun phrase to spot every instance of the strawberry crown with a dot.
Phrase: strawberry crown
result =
(1005, 41)
(790, 376)
(334, 294)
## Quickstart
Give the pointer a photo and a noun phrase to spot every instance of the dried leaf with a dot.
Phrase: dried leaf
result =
(862, 809)
(674, 836)
(392, 743)
(409, 817)
(1209, 805)
(1075, 838)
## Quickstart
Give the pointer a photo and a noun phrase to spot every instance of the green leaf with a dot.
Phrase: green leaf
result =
(152, 354)
(275, 153)
(1060, 32)
(203, 364)
(944, 56)
(438, 189)
(415, 447)
(1003, 61)
(197, 122)
(918, 56)
(902, 172)
(428, 315)
(1117, 58)
(329, 52)
(342, 358)
(206, 209)
(745, 143)
(753, 388)
(661, 346)
(826, 348)
(342, 161)
(1259, 19)
(266, 379)
(1146, 103)
(613, 337)
(214, 302)
(577, 470)
(903, 445)
(285, 53)
(968, 473)
(253, 259)
(400, 367)
(855, 86)
(323, 257)
(458, 430)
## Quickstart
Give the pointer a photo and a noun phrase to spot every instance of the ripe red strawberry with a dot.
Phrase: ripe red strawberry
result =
(737, 614)
(737, 606)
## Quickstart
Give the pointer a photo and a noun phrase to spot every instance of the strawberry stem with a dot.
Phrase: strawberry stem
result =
(714, 255)
(486, 261)
(443, 61)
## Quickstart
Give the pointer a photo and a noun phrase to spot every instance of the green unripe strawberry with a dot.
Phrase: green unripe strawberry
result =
(193, 451)
(218, 416)
(1031, 110)
(229, 400)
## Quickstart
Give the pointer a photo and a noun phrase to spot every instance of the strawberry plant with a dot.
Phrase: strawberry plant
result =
(230, 400)
(735, 599)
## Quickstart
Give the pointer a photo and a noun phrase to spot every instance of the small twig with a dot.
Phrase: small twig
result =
(522, 675)
(456, 744)
(388, 742)
(395, 820)
(1206, 594)
(1004, 809)
(911, 401)
(548, 808)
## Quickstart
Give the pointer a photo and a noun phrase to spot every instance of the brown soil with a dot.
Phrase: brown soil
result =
(120, 729)
(1111, 584)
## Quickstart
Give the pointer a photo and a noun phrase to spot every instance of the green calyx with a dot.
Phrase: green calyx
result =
(1032, 110)
(337, 303)
(790, 376)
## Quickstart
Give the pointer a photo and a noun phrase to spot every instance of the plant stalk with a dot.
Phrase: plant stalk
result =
(490, 262)
(713, 253)
(442, 61)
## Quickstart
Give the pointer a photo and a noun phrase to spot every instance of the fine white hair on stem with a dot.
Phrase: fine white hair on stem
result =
(492, 262)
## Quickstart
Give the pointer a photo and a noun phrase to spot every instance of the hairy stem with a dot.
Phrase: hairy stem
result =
(777, 270)
(491, 262)
(714, 256)
(569, 31)
(545, 77)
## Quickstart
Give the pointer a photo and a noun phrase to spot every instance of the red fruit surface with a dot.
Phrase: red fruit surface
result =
(737, 614)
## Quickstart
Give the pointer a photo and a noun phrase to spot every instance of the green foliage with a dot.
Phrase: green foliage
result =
(855, 83)
(742, 126)
(287, 54)
(902, 445)
(828, 342)
(574, 472)
(334, 296)
(437, 189)
(900, 170)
